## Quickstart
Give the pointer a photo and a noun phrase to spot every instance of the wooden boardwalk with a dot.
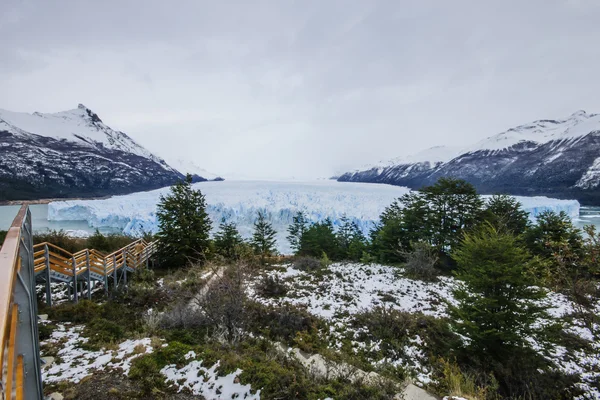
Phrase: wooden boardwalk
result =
(83, 269)
(22, 267)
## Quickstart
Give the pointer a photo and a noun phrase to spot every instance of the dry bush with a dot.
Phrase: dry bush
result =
(220, 307)
(420, 262)
(307, 264)
(270, 286)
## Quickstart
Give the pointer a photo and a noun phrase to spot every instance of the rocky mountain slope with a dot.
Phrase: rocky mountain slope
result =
(555, 158)
(72, 154)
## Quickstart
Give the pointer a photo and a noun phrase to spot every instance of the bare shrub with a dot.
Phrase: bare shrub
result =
(181, 316)
(152, 320)
(420, 262)
(271, 286)
(307, 264)
(223, 304)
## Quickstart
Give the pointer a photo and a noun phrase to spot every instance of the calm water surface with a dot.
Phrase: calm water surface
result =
(39, 214)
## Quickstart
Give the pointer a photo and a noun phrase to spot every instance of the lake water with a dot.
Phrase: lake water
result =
(40, 223)
(39, 214)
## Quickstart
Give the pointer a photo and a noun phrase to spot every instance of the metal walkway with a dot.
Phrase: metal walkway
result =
(22, 265)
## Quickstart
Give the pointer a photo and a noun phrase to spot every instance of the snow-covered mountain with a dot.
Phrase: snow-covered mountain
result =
(189, 167)
(73, 153)
(557, 158)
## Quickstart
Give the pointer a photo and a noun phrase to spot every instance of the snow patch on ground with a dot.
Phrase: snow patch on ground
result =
(205, 382)
(356, 288)
(75, 363)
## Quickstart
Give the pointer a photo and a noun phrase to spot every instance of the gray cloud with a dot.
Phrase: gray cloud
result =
(301, 88)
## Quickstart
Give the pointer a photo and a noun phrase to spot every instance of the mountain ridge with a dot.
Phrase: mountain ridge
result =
(73, 154)
(556, 158)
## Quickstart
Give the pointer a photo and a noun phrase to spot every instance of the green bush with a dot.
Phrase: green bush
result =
(45, 331)
(146, 370)
(284, 323)
(174, 353)
(82, 312)
(394, 329)
(98, 241)
(101, 331)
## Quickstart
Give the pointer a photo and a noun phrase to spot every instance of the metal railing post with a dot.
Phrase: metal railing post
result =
(48, 277)
(116, 282)
(125, 267)
(89, 278)
(75, 290)
(105, 277)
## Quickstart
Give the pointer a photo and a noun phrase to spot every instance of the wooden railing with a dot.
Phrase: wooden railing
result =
(88, 266)
(19, 355)
(22, 265)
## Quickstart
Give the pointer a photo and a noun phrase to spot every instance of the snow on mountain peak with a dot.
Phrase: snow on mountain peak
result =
(80, 125)
(190, 167)
(577, 125)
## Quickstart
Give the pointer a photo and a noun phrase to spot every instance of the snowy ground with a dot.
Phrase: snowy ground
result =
(73, 363)
(239, 202)
(354, 288)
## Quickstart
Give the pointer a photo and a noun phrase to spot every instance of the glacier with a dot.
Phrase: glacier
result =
(240, 201)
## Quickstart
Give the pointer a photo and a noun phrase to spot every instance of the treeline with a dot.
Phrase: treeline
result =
(501, 261)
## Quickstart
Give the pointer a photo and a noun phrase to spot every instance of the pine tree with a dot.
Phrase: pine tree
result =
(263, 239)
(227, 240)
(184, 226)
(297, 229)
(498, 301)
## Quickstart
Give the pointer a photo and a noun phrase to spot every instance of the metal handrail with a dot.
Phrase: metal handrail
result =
(19, 353)
(20, 263)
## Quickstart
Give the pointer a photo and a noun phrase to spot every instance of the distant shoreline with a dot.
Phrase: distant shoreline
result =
(46, 201)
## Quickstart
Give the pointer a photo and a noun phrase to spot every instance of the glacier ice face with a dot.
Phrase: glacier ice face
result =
(239, 202)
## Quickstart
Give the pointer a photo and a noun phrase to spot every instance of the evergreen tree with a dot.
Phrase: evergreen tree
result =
(498, 303)
(351, 241)
(437, 215)
(263, 239)
(319, 238)
(505, 212)
(98, 242)
(184, 225)
(297, 229)
(550, 230)
(453, 206)
(560, 244)
(227, 240)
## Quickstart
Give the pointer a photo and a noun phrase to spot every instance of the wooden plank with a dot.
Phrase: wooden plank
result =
(39, 268)
(39, 260)
(59, 263)
(58, 248)
(60, 270)
(39, 253)
(56, 255)
(9, 253)
(20, 377)
(11, 349)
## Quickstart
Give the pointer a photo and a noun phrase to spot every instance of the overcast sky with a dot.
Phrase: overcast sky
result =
(301, 88)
